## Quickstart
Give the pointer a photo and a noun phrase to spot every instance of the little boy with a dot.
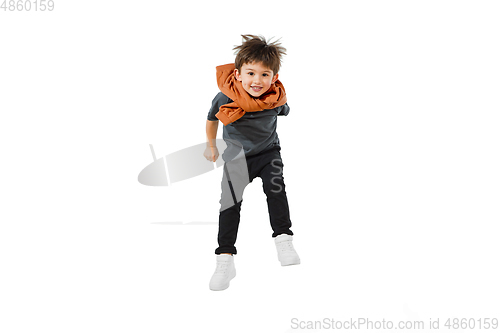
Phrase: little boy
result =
(250, 100)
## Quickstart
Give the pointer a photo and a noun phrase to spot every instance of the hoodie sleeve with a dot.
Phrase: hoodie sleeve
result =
(219, 99)
(284, 110)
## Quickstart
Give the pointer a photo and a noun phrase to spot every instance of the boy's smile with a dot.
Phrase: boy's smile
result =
(255, 78)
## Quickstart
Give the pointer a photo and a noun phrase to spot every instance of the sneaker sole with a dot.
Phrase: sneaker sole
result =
(290, 263)
(225, 286)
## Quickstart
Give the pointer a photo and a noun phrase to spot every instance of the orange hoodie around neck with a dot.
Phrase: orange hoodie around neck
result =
(242, 101)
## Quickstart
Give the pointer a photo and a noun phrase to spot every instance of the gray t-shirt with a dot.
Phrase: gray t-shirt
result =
(256, 131)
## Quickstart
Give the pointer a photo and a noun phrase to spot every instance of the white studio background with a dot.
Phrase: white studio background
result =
(391, 154)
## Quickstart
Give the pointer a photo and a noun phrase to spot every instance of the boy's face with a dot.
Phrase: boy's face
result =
(255, 78)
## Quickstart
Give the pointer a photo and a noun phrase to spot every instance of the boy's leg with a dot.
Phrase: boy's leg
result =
(274, 188)
(229, 221)
(234, 181)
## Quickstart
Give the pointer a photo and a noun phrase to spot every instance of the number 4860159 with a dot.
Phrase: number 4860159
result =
(27, 5)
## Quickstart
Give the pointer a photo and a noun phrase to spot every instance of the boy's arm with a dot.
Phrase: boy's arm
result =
(212, 127)
(211, 152)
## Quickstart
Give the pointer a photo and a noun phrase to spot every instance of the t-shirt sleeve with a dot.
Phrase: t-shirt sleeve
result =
(284, 109)
(219, 99)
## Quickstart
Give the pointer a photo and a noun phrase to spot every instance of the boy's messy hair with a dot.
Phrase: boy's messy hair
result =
(256, 49)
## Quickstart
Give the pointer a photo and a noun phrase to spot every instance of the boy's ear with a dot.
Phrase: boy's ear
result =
(237, 74)
(275, 78)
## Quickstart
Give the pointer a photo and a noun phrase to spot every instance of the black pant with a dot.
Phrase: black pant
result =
(269, 167)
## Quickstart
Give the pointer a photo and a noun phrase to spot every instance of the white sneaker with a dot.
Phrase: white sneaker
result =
(224, 272)
(286, 252)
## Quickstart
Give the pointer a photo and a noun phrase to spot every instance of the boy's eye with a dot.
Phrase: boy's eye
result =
(251, 73)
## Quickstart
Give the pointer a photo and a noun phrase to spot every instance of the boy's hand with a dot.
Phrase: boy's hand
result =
(211, 153)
